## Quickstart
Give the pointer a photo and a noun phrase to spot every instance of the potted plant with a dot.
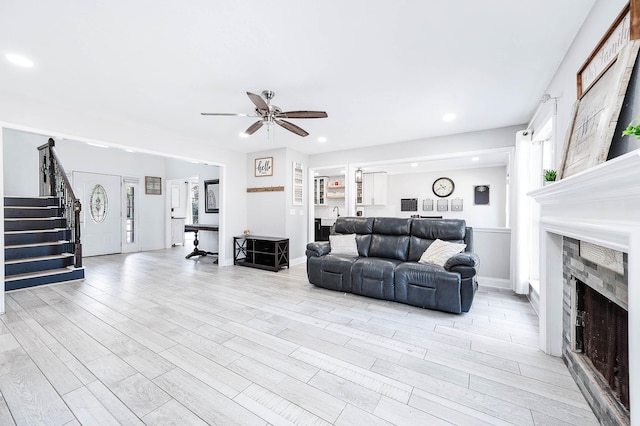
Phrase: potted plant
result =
(550, 175)
(632, 130)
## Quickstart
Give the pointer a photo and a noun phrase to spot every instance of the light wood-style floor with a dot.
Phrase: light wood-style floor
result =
(152, 338)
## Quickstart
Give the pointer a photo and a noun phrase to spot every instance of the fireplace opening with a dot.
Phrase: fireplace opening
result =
(601, 335)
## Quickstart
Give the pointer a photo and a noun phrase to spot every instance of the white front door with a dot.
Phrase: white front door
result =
(100, 223)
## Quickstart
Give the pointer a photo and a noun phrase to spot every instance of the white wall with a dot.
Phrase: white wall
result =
(273, 213)
(493, 246)
(419, 185)
(21, 160)
(266, 210)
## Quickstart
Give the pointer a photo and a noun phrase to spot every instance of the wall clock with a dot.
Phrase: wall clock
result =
(443, 187)
(98, 204)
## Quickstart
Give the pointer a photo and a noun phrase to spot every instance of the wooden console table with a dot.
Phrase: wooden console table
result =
(270, 253)
(196, 251)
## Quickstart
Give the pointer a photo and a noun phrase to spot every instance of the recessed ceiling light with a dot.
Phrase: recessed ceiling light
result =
(475, 159)
(448, 117)
(322, 139)
(19, 60)
(99, 145)
(414, 164)
(244, 135)
(342, 172)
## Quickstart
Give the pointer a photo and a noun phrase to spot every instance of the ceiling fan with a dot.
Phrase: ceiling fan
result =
(270, 114)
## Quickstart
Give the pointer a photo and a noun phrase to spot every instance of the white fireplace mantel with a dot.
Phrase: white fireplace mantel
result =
(600, 205)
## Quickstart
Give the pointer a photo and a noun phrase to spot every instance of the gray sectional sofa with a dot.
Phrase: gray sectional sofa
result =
(387, 264)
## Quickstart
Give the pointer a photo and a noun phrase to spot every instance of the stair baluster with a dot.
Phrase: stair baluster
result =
(54, 182)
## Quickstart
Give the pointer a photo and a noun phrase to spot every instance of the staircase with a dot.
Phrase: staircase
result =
(37, 243)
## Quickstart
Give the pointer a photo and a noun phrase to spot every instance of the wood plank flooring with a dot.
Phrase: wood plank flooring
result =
(152, 338)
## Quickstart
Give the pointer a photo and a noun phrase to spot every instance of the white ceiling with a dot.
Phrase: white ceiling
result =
(384, 70)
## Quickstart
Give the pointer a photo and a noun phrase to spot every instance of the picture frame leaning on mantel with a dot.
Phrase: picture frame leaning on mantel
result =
(602, 83)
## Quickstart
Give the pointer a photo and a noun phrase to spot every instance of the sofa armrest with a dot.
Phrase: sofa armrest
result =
(465, 263)
(318, 249)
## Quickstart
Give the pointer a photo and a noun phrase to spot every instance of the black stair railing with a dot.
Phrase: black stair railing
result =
(54, 182)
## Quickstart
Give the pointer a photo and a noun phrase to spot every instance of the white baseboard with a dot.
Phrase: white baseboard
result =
(298, 261)
(494, 282)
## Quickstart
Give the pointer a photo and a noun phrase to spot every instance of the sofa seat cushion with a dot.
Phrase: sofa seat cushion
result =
(335, 272)
(374, 277)
(427, 286)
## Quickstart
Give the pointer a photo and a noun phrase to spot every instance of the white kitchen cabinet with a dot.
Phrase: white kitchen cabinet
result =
(374, 189)
(320, 191)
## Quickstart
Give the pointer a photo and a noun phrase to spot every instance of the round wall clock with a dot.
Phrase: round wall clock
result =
(443, 187)
(98, 204)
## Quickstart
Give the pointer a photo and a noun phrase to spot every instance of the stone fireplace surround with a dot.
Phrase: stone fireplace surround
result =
(601, 206)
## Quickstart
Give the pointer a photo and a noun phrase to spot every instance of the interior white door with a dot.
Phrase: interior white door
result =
(100, 220)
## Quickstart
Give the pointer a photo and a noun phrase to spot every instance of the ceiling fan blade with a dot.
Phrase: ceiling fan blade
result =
(254, 127)
(292, 127)
(258, 102)
(305, 114)
(228, 114)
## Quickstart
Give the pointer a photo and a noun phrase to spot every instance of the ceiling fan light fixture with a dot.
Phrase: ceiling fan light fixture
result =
(243, 135)
(322, 139)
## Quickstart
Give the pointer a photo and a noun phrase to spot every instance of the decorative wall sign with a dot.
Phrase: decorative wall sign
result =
(263, 166)
(409, 205)
(606, 52)
(481, 195)
(456, 204)
(443, 205)
(297, 184)
(427, 205)
(153, 185)
(212, 196)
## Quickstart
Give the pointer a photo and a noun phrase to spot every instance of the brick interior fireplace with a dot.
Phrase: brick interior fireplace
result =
(595, 332)
(599, 206)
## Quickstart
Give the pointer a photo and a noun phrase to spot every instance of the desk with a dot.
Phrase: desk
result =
(195, 228)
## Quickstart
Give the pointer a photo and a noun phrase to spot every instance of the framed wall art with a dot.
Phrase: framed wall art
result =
(263, 166)
(212, 196)
(153, 185)
(481, 195)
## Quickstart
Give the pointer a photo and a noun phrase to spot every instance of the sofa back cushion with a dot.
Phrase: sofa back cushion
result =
(354, 225)
(390, 238)
(361, 226)
(426, 231)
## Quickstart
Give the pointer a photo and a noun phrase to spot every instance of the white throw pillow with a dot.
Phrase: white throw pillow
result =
(440, 251)
(343, 244)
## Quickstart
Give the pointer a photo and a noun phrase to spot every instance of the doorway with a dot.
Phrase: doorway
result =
(100, 224)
